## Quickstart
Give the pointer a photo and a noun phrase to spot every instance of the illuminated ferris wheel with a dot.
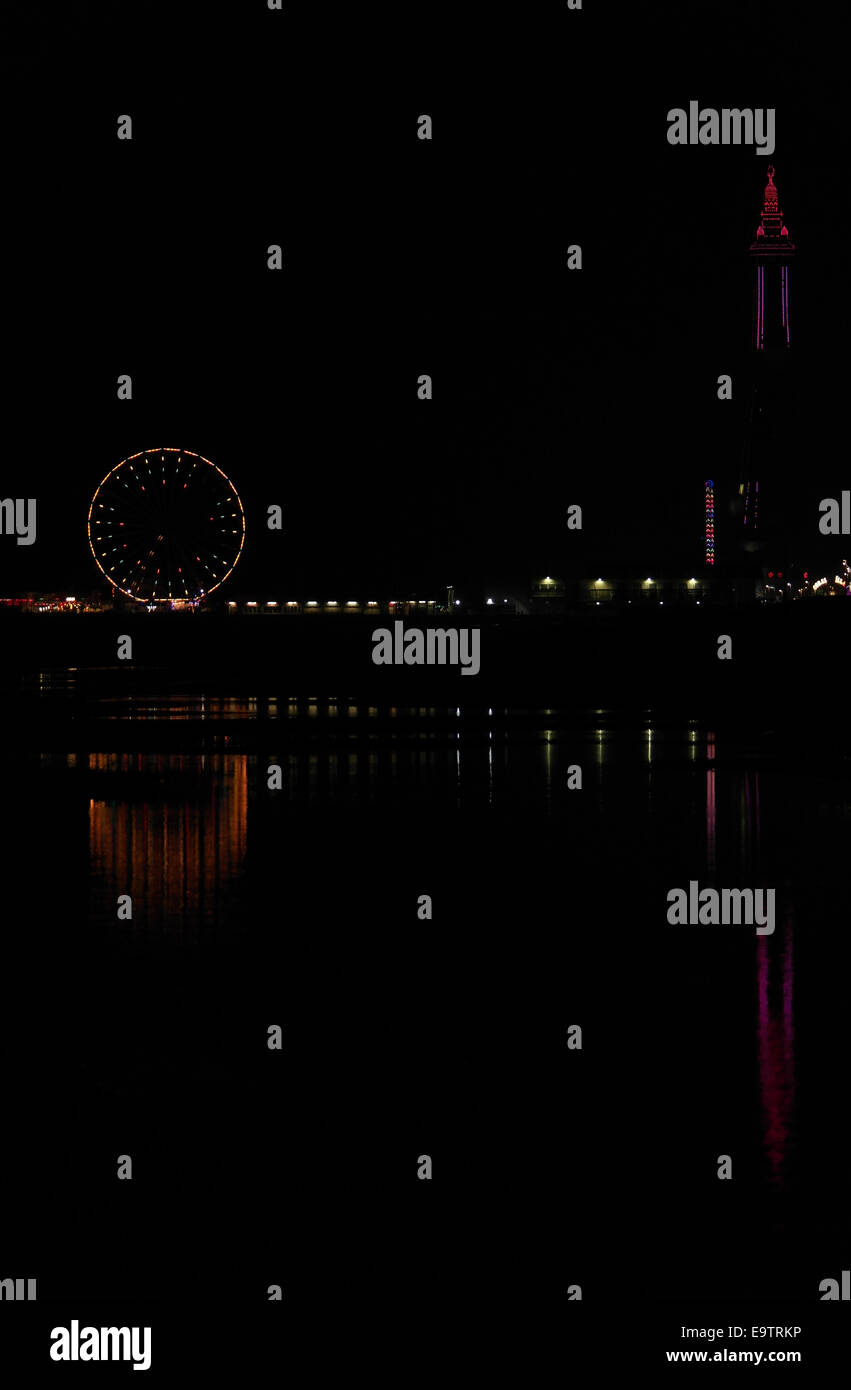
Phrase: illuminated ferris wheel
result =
(166, 526)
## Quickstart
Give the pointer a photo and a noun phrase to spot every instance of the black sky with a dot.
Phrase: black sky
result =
(405, 257)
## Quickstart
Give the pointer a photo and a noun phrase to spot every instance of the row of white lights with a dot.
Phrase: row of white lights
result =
(329, 603)
(547, 580)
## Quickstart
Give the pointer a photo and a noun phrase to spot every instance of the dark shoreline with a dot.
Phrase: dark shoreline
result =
(664, 660)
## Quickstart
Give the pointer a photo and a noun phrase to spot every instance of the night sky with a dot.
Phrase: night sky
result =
(402, 257)
(295, 901)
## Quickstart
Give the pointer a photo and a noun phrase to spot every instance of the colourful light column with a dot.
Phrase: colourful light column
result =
(709, 520)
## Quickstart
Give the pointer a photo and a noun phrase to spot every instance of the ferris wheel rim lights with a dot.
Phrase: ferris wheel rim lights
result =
(230, 494)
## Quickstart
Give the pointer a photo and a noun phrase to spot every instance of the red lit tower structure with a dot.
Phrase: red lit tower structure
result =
(766, 444)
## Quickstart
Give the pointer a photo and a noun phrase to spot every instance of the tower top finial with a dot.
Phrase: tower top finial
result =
(771, 173)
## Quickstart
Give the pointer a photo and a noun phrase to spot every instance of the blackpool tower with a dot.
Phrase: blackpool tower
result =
(762, 486)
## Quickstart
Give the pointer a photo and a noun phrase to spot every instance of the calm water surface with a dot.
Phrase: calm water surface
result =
(550, 907)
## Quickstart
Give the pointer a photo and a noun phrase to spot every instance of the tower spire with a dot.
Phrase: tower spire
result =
(772, 237)
(772, 251)
(772, 254)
